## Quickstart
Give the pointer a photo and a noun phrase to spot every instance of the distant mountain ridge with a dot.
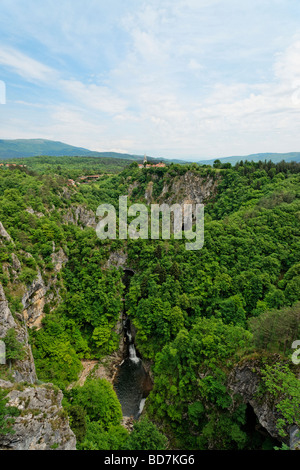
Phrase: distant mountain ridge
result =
(21, 148)
(256, 157)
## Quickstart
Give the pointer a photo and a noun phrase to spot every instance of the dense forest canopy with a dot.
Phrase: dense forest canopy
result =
(197, 315)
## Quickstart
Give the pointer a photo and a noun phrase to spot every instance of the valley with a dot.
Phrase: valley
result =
(182, 349)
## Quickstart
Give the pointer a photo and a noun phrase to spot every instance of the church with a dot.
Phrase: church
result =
(151, 165)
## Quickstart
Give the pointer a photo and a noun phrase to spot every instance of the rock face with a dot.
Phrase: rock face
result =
(244, 381)
(59, 259)
(4, 234)
(24, 370)
(148, 192)
(31, 211)
(132, 186)
(34, 301)
(189, 188)
(116, 259)
(42, 423)
(80, 216)
(294, 438)
(6, 319)
(16, 265)
(38, 293)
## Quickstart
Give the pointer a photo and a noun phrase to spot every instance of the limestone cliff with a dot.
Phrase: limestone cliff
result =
(40, 292)
(244, 381)
(34, 301)
(23, 370)
(117, 259)
(4, 235)
(43, 291)
(189, 188)
(79, 215)
(42, 423)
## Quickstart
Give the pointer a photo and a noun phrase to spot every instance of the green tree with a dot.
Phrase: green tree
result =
(276, 330)
(99, 438)
(146, 436)
(105, 339)
(14, 349)
(98, 398)
(77, 421)
(7, 414)
(217, 164)
(283, 386)
(232, 310)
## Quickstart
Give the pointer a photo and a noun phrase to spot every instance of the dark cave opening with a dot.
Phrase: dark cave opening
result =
(258, 437)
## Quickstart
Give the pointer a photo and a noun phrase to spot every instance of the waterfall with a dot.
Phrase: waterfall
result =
(128, 335)
(132, 354)
(142, 404)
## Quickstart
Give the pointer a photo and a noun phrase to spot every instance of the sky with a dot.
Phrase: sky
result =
(189, 79)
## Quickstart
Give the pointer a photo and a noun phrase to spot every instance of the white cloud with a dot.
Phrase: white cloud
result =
(194, 65)
(25, 66)
(184, 78)
(93, 96)
(90, 95)
(287, 65)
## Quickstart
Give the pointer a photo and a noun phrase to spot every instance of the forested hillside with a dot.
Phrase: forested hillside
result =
(214, 327)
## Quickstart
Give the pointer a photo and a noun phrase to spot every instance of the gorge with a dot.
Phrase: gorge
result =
(132, 383)
(196, 348)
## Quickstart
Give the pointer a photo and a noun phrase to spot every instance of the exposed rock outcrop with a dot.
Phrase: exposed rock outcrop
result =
(294, 438)
(80, 216)
(16, 265)
(245, 381)
(59, 259)
(6, 384)
(42, 423)
(6, 319)
(131, 187)
(189, 188)
(24, 370)
(34, 301)
(33, 212)
(4, 234)
(116, 259)
(38, 294)
(148, 192)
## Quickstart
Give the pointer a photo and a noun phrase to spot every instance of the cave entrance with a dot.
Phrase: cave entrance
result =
(258, 437)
